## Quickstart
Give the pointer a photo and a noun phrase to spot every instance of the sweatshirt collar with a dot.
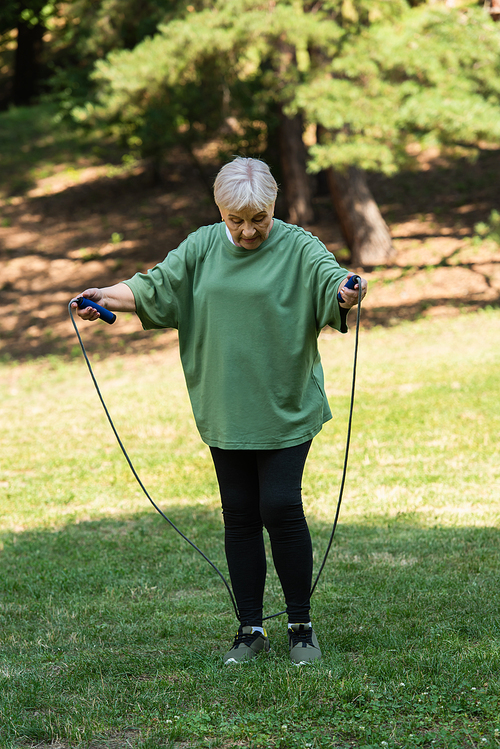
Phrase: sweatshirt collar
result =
(235, 249)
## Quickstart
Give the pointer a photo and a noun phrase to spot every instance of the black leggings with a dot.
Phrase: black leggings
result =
(263, 488)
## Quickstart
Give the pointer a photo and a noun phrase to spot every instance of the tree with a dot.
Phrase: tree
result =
(58, 43)
(375, 76)
(27, 19)
(431, 78)
(494, 9)
(366, 232)
(257, 53)
(427, 79)
(293, 158)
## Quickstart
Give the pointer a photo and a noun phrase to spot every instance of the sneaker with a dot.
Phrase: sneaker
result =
(246, 645)
(303, 644)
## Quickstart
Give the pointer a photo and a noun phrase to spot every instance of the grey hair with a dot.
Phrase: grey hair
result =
(245, 183)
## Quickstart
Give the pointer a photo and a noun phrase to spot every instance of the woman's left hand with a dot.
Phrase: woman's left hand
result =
(351, 296)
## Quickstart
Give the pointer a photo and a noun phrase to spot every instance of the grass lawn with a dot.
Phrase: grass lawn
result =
(112, 627)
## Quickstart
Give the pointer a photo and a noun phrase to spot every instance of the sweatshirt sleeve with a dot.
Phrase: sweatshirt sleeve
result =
(159, 292)
(326, 277)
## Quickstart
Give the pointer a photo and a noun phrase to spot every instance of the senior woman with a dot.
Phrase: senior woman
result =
(249, 297)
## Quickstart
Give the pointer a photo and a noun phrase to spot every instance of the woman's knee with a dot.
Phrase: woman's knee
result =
(242, 524)
(282, 515)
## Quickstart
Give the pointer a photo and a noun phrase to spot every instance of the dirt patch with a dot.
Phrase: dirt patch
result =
(70, 232)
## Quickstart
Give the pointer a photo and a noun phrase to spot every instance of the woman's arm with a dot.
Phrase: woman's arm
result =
(117, 298)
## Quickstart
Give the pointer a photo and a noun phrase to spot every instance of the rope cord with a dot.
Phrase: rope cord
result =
(171, 523)
(346, 454)
(347, 443)
(136, 475)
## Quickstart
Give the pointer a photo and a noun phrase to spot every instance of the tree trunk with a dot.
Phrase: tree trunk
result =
(495, 9)
(365, 230)
(26, 62)
(296, 185)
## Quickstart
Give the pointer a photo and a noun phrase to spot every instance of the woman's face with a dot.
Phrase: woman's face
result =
(247, 227)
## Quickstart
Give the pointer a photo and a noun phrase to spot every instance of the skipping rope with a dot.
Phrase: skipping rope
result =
(111, 318)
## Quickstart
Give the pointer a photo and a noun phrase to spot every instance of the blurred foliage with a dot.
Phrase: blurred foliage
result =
(369, 77)
(488, 229)
(33, 12)
(78, 33)
(374, 75)
(225, 64)
(88, 30)
(29, 19)
(431, 78)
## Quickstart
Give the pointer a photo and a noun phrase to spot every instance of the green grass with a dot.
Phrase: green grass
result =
(112, 627)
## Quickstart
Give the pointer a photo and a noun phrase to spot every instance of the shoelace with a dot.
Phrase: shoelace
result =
(302, 636)
(244, 638)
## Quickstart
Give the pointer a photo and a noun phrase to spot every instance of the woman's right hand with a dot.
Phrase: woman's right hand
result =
(88, 313)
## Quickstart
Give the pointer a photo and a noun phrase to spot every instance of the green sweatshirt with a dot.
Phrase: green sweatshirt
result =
(248, 323)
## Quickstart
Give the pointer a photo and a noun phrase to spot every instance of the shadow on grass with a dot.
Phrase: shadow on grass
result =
(107, 575)
(441, 188)
(115, 628)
